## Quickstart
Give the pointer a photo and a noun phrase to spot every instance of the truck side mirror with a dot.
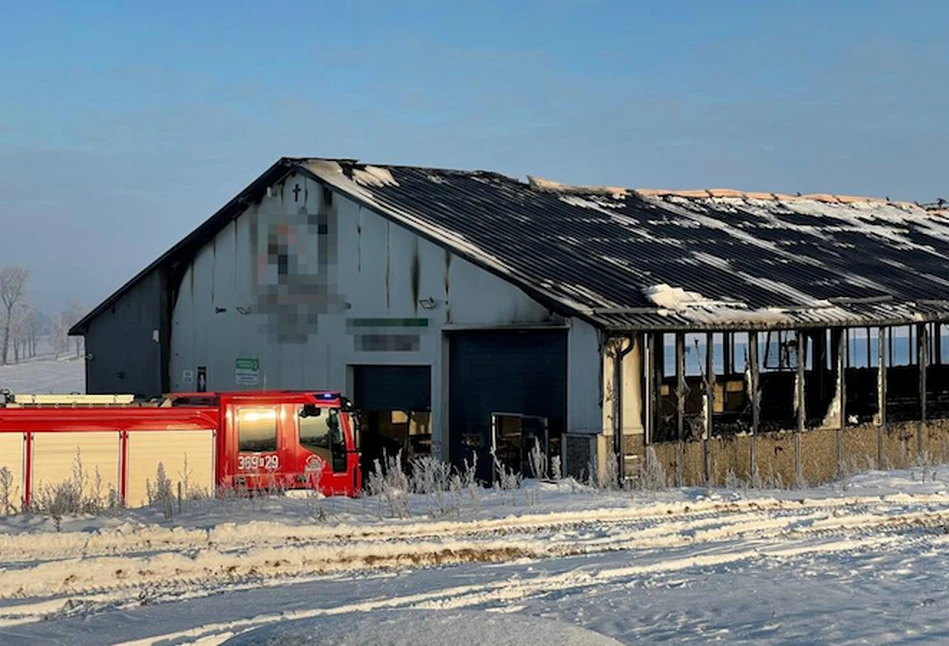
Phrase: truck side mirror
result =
(310, 410)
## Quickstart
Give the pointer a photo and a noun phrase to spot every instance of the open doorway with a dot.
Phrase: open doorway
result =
(394, 404)
(394, 432)
(514, 436)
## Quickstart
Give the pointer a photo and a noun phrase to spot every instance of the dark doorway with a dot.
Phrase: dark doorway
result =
(394, 404)
(514, 437)
(518, 373)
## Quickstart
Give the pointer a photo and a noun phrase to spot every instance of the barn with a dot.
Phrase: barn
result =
(698, 335)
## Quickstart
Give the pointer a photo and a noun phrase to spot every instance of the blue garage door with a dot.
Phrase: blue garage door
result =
(521, 372)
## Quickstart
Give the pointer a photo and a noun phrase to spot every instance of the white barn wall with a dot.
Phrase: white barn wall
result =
(374, 273)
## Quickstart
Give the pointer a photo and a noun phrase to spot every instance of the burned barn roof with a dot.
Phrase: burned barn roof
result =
(628, 259)
(635, 259)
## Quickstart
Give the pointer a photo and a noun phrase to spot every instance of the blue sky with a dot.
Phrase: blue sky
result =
(124, 125)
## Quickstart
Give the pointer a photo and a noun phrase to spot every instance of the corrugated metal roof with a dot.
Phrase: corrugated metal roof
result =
(706, 259)
(653, 259)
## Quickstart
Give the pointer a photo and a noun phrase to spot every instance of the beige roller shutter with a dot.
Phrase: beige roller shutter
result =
(11, 458)
(55, 458)
(146, 449)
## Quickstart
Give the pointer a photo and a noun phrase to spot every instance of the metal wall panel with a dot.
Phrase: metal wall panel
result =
(123, 356)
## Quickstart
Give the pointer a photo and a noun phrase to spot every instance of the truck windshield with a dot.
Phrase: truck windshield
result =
(319, 433)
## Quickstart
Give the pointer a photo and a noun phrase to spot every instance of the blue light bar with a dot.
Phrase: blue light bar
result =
(326, 396)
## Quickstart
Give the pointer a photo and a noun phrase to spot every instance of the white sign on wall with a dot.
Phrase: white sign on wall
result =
(187, 376)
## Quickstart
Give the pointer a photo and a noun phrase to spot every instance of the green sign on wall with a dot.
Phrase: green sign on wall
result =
(247, 372)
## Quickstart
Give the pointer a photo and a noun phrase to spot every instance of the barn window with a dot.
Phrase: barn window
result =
(257, 429)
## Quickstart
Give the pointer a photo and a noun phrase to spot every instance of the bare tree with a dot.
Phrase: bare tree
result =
(20, 332)
(72, 315)
(58, 334)
(34, 322)
(13, 288)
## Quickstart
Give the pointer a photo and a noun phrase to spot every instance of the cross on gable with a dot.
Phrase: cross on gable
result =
(296, 193)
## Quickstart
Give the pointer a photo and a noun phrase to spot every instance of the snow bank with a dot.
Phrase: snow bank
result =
(413, 627)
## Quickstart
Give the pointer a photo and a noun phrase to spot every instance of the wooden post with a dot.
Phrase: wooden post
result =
(755, 402)
(618, 449)
(651, 392)
(727, 362)
(923, 363)
(909, 347)
(889, 341)
(798, 467)
(869, 349)
(842, 349)
(937, 344)
(680, 405)
(709, 403)
(882, 334)
(846, 333)
(619, 354)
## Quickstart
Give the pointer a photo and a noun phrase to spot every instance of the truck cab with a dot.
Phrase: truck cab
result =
(290, 441)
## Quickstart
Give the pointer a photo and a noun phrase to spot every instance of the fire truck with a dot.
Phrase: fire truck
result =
(208, 442)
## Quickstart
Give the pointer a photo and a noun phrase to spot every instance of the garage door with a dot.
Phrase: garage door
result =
(521, 372)
(392, 387)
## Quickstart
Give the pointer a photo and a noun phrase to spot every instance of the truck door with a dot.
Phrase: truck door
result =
(259, 451)
(323, 454)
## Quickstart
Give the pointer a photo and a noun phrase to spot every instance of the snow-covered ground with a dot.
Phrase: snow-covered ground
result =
(45, 374)
(864, 561)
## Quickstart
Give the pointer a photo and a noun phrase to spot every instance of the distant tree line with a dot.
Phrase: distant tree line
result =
(23, 326)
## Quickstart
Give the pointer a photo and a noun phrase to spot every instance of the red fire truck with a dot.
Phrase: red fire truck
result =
(241, 441)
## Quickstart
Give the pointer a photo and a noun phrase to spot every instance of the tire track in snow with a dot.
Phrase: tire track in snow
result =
(142, 539)
(509, 590)
(173, 574)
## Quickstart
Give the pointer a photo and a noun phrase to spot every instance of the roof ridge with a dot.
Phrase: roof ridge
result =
(355, 162)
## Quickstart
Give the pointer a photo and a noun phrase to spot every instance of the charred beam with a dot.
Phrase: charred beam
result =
(937, 344)
(889, 341)
(727, 345)
(755, 401)
(651, 342)
(922, 360)
(798, 470)
(869, 348)
(882, 337)
(709, 402)
(619, 353)
(842, 351)
(680, 404)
